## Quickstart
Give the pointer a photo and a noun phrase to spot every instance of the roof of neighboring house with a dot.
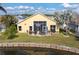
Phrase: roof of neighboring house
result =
(40, 14)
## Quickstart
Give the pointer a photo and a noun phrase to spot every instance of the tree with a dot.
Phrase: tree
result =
(57, 17)
(64, 18)
(8, 20)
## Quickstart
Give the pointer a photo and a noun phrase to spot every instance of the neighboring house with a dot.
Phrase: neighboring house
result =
(72, 26)
(37, 23)
(77, 28)
(77, 24)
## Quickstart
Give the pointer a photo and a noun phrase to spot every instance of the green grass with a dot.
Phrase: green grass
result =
(54, 39)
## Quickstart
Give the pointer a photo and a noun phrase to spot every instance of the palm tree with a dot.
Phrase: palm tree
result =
(1, 8)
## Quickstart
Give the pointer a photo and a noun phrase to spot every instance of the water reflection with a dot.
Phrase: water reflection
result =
(34, 51)
(16, 52)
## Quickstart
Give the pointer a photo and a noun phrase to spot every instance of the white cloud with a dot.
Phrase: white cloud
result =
(74, 7)
(22, 11)
(77, 10)
(32, 8)
(40, 8)
(18, 7)
(66, 5)
(26, 7)
(70, 5)
(21, 7)
(50, 9)
(9, 8)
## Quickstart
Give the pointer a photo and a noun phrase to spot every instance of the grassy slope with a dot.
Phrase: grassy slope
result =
(54, 39)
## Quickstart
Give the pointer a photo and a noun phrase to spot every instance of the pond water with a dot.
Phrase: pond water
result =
(33, 51)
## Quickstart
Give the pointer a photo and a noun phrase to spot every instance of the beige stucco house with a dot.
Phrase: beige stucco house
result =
(37, 23)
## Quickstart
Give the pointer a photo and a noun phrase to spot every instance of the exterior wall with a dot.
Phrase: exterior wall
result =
(29, 22)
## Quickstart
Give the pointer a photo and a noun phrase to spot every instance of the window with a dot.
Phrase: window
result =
(30, 28)
(52, 28)
(20, 28)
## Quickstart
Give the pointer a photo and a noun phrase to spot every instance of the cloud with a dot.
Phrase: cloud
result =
(50, 9)
(45, 10)
(9, 8)
(21, 7)
(24, 7)
(29, 9)
(77, 10)
(66, 5)
(39, 9)
(74, 7)
(32, 8)
(22, 11)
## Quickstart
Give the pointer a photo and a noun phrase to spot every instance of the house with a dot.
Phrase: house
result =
(72, 26)
(37, 23)
(77, 23)
(77, 30)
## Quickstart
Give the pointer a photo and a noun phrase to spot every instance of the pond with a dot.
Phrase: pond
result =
(33, 51)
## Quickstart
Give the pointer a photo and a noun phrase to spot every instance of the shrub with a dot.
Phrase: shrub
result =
(10, 32)
(62, 30)
(73, 31)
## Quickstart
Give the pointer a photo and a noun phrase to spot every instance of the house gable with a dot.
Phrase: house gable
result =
(42, 16)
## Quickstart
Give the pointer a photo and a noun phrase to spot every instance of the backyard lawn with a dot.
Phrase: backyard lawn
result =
(54, 39)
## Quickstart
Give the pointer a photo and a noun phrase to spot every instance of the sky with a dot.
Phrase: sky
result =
(48, 8)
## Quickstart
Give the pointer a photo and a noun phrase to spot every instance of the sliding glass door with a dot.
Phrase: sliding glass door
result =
(39, 26)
